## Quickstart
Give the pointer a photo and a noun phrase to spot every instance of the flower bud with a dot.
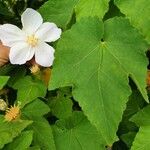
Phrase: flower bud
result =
(3, 105)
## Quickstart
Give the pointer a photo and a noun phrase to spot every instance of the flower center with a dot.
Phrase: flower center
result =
(32, 40)
(12, 113)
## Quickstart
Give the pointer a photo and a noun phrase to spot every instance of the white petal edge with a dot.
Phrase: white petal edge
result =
(31, 20)
(44, 54)
(10, 34)
(20, 53)
(48, 32)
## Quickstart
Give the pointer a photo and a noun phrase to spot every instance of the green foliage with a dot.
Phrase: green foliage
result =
(29, 89)
(3, 81)
(76, 133)
(138, 13)
(61, 105)
(23, 141)
(128, 138)
(10, 130)
(60, 12)
(86, 8)
(42, 131)
(142, 120)
(97, 97)
(42, 134)
(76, 54)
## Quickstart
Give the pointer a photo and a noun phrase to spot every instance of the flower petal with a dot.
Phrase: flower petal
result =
(20, 53)
(10, 34)
(44, 55)
(48, 32)
(31, 20)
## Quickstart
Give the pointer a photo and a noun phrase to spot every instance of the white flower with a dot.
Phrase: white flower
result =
(31, 40)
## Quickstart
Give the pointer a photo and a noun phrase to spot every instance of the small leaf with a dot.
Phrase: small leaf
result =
(59, 12)
(29, 89)
(35, 108)
(76, 133)
(88, 8)
(142, 140)
(135, 103)
(9, 130)
(42, 133)
(142, 117)
(21, 142)
(128, 138)
(3, 81)
(138, 19)
(61, 105)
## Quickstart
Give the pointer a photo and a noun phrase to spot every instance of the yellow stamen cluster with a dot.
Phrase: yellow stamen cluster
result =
(12, 113)
(32, 40)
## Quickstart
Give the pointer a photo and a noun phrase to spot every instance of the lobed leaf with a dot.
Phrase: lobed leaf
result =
(96, 58)
(138, 13)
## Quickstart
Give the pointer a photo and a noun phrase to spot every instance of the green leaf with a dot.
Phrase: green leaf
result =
(142, 117)
(42, 133)
(9, 130)
(35, 108)
(138, 13)
(22, 142)
(128, 138)
(3, 81)
(98, 70)
(76, 133)
(135, 103)
(29, 89)
(142, 140)
(61, 105)
(88, 8)
(59, 12)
